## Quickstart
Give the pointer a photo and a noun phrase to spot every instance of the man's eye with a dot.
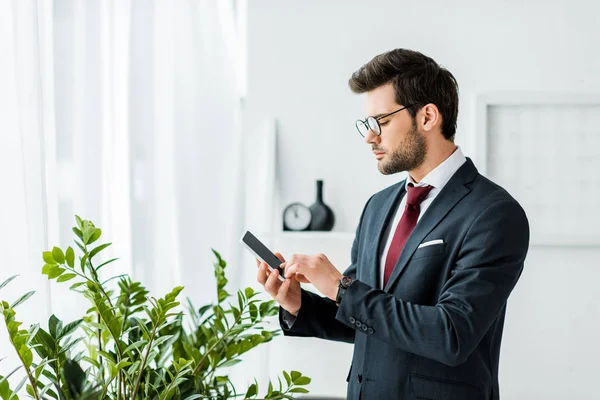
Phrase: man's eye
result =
(384, 123)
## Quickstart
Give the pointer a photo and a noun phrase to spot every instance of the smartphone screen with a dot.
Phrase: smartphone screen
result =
(262, 253)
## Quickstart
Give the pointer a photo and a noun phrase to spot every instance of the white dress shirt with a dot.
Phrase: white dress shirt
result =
(437, 178)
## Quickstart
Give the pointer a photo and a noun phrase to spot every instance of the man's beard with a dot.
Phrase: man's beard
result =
(410, 154)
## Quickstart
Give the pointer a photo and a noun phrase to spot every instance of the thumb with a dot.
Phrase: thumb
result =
(283, 289)
(278, 255)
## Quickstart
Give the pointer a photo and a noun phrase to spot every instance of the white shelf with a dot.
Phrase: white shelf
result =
(309, 235)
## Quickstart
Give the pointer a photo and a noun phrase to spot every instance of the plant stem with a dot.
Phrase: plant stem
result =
(115, 337)
(106, 389)
(29, 376)
(57, 372)
(166, 392)
(100, 347)
(143, 365)
(220, 340)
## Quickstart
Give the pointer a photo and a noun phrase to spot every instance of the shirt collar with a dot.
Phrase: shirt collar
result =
(440, 175)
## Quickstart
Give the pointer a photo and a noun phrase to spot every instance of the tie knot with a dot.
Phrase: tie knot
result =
(417, 194)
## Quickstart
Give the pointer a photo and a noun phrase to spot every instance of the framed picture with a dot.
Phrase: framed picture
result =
(544, 148)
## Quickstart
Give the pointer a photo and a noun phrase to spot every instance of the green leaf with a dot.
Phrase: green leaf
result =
(58, 255)
(55, 326)
(252, 390)
(83, 261)
(99, 249)
(44, 338)
(47, 268)
(240, 299)
(295, 375)
(249, 292)
(78, 233)
(231, 362)
(106, 262)
(223, 295)
(288, 380)
(69, 345)
(70, 257)
(22, 299)
(89, 232)
(76, 285)
(66, 277)
(81, 247)
(298, 390)
(74, 377)
(55, 272)
(136, 345)
(20, 384)
(48, 258)
(5, 392)
(253, 312)
(26, 355)
(6, 282)
(303, 380)
(95, 236)
(122, 364)
(70, 328)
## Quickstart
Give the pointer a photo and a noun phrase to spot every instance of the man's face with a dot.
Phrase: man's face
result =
(400, 147)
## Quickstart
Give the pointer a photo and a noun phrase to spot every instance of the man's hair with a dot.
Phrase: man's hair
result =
(418, 80)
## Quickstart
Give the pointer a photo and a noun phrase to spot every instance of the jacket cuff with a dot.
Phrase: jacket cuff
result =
(347, 311)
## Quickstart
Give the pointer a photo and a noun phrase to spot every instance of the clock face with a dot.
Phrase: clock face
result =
(297, 217)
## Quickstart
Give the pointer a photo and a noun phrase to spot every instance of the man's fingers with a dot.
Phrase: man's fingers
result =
(283, 289)
(261, 274)
(273, 283)
(302, 278)
(290, 270)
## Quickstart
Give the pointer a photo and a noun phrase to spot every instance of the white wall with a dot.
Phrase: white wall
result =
(300, 56)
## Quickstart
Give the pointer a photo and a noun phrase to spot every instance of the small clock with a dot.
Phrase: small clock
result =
(296, 217)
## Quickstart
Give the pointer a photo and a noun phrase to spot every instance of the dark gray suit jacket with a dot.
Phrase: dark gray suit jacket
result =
(434, 331)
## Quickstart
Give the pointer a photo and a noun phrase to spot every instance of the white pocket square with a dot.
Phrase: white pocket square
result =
(430, 243)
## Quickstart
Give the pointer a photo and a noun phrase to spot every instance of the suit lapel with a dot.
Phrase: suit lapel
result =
(383, 218)
(445, 201)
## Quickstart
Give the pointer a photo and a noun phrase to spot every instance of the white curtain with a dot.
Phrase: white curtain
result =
(27, 224)
(125, 112)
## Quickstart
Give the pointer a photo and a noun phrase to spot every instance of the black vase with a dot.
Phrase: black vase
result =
(322, 216)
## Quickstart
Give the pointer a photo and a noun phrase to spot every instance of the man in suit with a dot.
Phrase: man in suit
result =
(434, 259)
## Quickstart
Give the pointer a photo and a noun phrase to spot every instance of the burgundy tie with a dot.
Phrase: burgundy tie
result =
(405, 227)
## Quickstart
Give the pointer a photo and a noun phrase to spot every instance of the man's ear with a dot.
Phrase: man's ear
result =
(429, 117)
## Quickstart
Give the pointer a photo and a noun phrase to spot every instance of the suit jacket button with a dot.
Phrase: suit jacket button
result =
(370, 331)
(364, 327)
(358, 324)
(352, 320)
(359, 378)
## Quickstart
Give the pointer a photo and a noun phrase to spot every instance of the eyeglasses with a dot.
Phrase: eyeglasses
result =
(372, 123)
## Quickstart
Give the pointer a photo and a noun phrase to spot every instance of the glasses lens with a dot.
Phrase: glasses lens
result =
(362, 128)
(374, 125)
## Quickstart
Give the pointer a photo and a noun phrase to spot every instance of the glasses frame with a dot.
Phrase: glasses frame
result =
(372, 123)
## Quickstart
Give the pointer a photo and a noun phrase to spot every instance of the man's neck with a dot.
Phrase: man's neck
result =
(432, 161)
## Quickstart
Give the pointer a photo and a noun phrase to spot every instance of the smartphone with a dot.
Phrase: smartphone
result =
(262, 253)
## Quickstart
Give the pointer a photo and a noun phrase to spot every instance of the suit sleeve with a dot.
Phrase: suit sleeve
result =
(317, 314)
(489, 264)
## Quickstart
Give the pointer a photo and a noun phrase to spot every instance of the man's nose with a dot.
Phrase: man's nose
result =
(371, 137)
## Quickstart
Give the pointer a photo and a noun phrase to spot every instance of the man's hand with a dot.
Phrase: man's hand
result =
(287, 293)
(316, 269)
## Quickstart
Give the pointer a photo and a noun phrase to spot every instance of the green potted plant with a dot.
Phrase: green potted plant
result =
(132, 346)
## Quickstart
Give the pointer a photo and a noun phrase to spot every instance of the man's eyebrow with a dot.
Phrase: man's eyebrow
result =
(380, 115)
